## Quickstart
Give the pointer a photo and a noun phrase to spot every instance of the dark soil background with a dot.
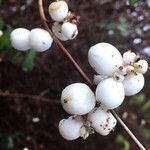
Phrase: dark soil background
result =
(52, 72)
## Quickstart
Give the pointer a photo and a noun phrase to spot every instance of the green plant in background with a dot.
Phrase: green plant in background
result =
(121, 26)
(7, 140)
(123, 142)
(25, 60)
(132, 2)
(4, 39)
(143, 105)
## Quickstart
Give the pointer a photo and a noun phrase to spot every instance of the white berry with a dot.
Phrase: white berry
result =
(1, 33)
(20, 39)
(69, 30)
(110, 93)
(102, 121)
(58, 10)
(56, 28)
(70, 128)
(105, 59)
(78, 99)
(133, 83)
(129, 57)
(40, 40)
(98, 78)
(141, 66)
(130, 69)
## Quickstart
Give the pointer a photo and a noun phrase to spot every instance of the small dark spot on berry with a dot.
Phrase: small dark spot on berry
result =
(65, 101)
(121, 68)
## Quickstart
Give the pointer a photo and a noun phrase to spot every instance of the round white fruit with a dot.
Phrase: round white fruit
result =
(1, 33)
(110, 93)
(105, 59)
(69, 30)
(40, 40)
(102, 121)
(129, 57)
(58, 10)
(70, 128)
(78, 99)
(141, 66)
(98, 78)
(20, 39)
(133, 83)
(56, 28)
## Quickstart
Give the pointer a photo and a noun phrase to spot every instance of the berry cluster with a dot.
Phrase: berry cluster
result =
(36, 39)
(64, 27)
(117, 77)
(65, 22)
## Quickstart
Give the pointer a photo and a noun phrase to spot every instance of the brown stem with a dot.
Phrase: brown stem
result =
(78, 68)
(34, 97)
(62, 48)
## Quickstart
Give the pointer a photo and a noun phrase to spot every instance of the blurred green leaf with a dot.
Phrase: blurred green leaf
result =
(132, 2)
(107, 26)
(146, 107)
(8, 142)
(137, 100)
(29, 61)
(16, 56)
(138, 31)
(146, 133)
(19, 134)
(125, 145)
(122, 20)
(1, 23)
(5, 43)
(123, 30)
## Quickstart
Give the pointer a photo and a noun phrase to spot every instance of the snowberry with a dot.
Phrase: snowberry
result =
(20, 39)
(98, 78)
(58, 10)
(129, 57)
(141, 66)
(110, 93)
(69, 30)
(102, 121)
(70, 128)
(1, 33)
(78, 99)
(130, 69)
(40, 40)
(56, 28)
(122, 70)
(133, 83)
(105, 58)
(118, 76)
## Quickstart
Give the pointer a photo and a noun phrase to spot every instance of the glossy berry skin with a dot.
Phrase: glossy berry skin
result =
(58, 10)
(102, 121)
(20, 39)
(70, 128)
(133, 83)
(40, 40)
(56, 28)
(69, 30)
(129, 57)
(141, 66)
(105, 59)
(78, 99)
(110, 93)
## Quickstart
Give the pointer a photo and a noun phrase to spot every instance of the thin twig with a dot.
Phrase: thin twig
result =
(78, 68)
(62, 48)
(33, 97)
